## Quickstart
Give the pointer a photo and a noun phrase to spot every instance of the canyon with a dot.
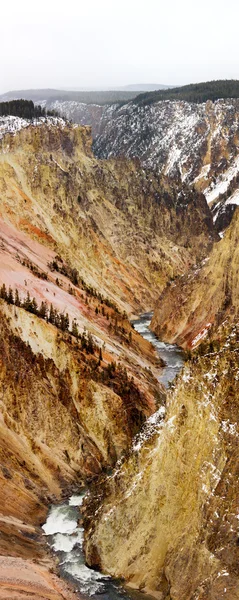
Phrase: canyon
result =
(196, 143)
(88, 241)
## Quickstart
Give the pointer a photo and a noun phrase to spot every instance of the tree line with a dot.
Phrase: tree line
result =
(195, 93)
(25, 109)
(49, 314)
(71, 273)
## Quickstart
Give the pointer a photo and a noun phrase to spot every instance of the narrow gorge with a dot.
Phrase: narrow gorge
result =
(119, 355)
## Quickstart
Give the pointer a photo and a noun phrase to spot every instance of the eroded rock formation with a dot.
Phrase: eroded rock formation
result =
(191, 305)
(167, 518)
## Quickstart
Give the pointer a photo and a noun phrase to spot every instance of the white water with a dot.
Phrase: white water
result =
(170, 353)
(65, 536)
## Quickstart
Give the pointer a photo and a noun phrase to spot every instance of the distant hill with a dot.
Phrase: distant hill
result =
(47, 96)
(115, 95)
(195, 92)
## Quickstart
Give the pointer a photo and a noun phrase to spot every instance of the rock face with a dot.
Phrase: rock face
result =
(125, 230)
(167, 518)
(198, 143)
(189, 307)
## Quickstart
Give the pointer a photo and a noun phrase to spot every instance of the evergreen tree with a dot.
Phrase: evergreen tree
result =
(17, 300)
(3, 292)
(27, 303)
(57, 319)
(34, 307)
(67, 321)
(10, 299)
(52, 315)
(74, 329)
(43, 310)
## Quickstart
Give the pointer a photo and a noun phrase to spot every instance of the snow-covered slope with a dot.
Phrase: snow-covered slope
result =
(197, 143)
(12, 124)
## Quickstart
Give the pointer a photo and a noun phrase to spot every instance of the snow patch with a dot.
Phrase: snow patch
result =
(203, 173)
(201, 335)
(12, 124)
(222, 183)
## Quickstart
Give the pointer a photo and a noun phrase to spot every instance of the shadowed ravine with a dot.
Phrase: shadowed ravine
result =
(65, 535)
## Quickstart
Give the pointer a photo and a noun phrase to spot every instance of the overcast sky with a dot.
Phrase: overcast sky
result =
(94, 43)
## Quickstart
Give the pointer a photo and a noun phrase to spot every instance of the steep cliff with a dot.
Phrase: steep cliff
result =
(189, 307)
(167, 518)
(198, 143)
(124, 229)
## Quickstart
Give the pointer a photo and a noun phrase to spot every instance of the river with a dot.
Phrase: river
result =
(65, 535)
(172, 355)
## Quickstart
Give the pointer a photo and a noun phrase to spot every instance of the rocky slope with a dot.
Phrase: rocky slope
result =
(167, 518)
(198, 143)
(67, 410)
(64, 417)
(81, 242)
(190, 306)
(125, 230)
(195, 142)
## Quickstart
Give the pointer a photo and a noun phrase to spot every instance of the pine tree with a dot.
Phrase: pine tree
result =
(3, 292)
(74, 329)
(17, 301)
(34, 307)
(27, 303)
(57, 319)
(43, 310)
(64, 321)
(10, 299)
(90, 344)
(67, 321)
(52, 315)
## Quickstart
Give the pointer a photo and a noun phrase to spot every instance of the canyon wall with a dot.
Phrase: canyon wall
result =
(196, 143)
(125, 230)
(167, 518)
(191, 305)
